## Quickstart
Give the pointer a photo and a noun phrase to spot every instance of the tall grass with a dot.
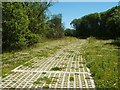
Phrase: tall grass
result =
(102, 59)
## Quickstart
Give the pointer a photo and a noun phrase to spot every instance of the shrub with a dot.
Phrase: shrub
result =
(32, 38)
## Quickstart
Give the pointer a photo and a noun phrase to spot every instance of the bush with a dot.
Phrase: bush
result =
(32, 38)
(14, 25)
(23, 25)
(69, 32)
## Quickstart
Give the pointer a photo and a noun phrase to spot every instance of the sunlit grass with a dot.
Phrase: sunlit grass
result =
(102, 59)
(11, 60)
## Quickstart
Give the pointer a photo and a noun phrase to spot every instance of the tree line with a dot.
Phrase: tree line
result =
(103, 25)
(26, 23)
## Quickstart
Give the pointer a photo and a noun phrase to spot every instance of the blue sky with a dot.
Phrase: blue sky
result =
(72, 10)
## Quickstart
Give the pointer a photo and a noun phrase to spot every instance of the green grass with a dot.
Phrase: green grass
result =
(42, 80)
(46, 87)
(29, 64)
(43, 72)
(56, 69)
(80, 66)
(82, 62)
(11, 60)
(71, 78)
(102, 59)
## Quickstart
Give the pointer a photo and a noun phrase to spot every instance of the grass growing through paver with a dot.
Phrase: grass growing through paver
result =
(80, 66)
(87, 77)
(10, 60)
(43, 72)
(29, 64)
(82, 62)
(56, 69)
(71, 78)
(46, 87)
(102, 59)
(67, 65)
(42, 80)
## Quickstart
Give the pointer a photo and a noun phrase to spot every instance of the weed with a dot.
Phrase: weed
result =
(56, 69)
(43, 80)
(87, 77)
(46, 86)
(43, 72)
(76, 68)
(82, 62)
(101, 58)
(80, 66)
(71, 78)
(29, 64)
(73, 62)
(43, 54)
(76, 73)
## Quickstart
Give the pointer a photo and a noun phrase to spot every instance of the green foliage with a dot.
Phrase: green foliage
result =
(15, 25)
(37, 16)
(102, 59)
(100, 25)
(117, 42)
(69, 32)
(25, 24)
(57, 30)
(32, 38)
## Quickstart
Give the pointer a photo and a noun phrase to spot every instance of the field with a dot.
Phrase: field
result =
(62, 63)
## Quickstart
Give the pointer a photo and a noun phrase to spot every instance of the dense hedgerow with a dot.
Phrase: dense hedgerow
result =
(25, 24)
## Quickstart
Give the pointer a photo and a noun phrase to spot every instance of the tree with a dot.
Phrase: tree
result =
(56, 26)
(15, 25)
(23, 23)
(100, 25)
(26, 23)
(36, 12)
(69, 32)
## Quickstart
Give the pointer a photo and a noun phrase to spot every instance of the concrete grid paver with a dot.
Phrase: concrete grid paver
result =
(67, 58)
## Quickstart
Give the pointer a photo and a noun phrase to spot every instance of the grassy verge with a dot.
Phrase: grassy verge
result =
(102, 59)
(10, 60)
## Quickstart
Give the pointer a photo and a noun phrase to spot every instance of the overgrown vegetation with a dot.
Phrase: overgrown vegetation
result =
(70, 32)
(26, 23)
(102, 59)
(13, 59)
(101, 55)
(102, 25)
